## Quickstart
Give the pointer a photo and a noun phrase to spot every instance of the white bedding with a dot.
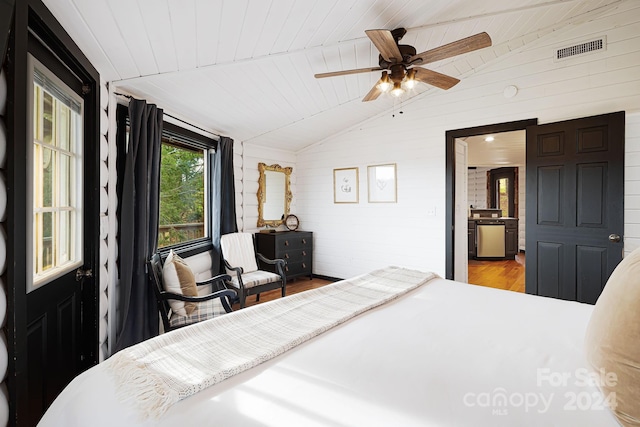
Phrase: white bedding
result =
(439, 356)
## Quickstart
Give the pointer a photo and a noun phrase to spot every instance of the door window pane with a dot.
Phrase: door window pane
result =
(64, 136)
(64, 249)
(48, 172)
(44, 242)
(47, 119)
(64, 186)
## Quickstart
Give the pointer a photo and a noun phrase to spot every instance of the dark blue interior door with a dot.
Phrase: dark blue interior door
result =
(575, 206)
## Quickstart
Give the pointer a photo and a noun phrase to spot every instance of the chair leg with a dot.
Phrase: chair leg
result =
(257, 297)
(243, 298)
(284, 289)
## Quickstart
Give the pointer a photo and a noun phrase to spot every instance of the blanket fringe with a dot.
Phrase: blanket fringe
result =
(145, 389)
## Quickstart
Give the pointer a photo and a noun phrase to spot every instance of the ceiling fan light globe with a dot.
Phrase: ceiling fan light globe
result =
(410, 84)
(384, 86)
(397, 90)
(410, 79)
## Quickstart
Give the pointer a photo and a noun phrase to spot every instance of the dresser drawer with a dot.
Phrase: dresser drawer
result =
(294, 254)
(286, 244)
(295, 247)
(297, 268)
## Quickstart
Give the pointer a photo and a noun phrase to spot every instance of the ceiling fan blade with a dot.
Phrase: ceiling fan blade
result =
(345, 72)
(374, 93)
(434, 78)
(386, 44)
(468, 44)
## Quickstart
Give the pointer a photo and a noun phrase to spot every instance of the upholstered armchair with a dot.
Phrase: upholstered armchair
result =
(177, 297)
(242, 264)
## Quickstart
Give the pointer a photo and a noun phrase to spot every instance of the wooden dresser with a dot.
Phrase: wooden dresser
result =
(295, 247)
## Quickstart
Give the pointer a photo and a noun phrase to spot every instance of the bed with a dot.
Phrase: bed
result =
(442, 354)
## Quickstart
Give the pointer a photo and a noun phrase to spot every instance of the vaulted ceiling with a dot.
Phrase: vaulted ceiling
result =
(245, 68)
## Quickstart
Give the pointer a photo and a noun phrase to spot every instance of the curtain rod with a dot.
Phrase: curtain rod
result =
(173, 117)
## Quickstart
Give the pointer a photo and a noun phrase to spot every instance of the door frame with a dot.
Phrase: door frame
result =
(450, 173)
(33, 19)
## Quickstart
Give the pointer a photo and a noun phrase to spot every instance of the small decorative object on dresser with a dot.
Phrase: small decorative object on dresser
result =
(295, 247)
(292, 222)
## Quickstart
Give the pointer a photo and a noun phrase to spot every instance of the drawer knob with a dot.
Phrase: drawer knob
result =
(286, 268)
(286, 243)
(286, 256)
(304, 241)
(304, 253)
(304, 265)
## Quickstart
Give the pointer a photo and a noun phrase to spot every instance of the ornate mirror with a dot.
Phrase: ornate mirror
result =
(274, 194)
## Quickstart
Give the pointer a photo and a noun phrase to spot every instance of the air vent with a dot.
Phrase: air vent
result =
(580, 49)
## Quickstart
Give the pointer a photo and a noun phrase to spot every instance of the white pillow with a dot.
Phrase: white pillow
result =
(612, 340)
(178, 278)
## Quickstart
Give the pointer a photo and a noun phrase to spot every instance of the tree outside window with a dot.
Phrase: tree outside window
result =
(182, 198)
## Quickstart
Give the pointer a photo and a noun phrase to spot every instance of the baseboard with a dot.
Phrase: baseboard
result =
(329, 278)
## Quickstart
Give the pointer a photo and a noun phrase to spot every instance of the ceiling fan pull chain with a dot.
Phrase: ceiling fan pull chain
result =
(393, 112)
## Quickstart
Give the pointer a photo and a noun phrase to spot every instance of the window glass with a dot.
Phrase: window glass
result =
(56, 154)
(503, 195)
(182, 194)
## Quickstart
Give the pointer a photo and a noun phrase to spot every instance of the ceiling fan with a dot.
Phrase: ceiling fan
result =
(401, 63)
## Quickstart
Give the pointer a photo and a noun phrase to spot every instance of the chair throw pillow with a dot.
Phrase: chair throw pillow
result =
(612, 340)
(178, 278)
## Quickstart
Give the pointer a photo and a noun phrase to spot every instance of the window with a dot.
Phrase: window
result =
(503, 190)
(182, 194)
(56, 153)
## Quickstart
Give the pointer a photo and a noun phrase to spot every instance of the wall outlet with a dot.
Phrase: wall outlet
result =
(431, 211)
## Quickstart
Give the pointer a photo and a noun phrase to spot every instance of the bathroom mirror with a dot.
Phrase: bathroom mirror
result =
(274, 194)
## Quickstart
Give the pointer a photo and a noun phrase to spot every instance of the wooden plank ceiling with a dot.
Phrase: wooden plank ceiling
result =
(245, 68)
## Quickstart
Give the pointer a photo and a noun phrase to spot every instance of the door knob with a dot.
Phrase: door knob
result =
(81, 274)
(615, 238)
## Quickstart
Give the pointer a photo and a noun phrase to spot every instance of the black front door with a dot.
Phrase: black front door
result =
(53, 177)
(574, 212)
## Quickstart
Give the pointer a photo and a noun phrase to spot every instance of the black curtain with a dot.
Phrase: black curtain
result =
(138, 315)
(223, 197)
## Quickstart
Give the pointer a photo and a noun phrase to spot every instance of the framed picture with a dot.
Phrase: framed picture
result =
(345, 185)
(382, 183)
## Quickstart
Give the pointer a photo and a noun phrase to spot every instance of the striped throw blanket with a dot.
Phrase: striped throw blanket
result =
(155, 374)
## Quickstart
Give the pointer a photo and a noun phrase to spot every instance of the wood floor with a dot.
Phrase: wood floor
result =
(507, 274)
(293, 287)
